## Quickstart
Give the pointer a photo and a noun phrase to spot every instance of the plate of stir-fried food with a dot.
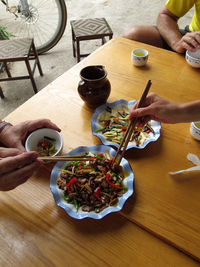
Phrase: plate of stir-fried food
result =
(110, 121)
(92, 188)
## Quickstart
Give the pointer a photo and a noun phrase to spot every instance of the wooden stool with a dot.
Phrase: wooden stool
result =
(88, 29)
(22, 49)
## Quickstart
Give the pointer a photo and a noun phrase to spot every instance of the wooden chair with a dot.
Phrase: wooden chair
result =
(88, 29)
(22, 49)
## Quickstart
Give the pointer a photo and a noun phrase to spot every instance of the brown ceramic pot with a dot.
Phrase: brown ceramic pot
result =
(94, 87)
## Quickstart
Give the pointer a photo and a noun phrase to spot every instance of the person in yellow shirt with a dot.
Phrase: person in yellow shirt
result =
(167, 33)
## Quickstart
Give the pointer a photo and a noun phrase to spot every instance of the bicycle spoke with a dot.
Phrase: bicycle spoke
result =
(46, 22)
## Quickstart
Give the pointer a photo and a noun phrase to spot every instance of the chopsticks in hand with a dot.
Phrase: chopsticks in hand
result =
(131, 127)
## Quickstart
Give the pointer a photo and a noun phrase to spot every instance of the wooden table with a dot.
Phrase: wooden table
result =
(157, 223)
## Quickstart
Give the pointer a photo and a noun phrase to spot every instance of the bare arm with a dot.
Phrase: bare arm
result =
(162, 110)
(168, 27)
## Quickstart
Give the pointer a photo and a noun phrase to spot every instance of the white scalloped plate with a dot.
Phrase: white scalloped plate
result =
(118, 104)
(69, 208)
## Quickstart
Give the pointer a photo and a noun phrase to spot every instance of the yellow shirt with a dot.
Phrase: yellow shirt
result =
(180, 7)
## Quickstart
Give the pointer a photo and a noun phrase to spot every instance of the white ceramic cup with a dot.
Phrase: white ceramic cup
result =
(195, 130)
(33, 139)
(193, 58)
(139, 57)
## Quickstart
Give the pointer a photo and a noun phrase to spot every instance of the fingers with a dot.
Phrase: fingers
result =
(42, 123)
(151, 98)
(20, 147)
(12, 163)
(19, 176)
(8, 152)
(191, 41)
(141, 112)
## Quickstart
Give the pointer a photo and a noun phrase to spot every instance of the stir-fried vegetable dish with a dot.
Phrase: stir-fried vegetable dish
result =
(114, 123)
(46, 146)
(92, 185)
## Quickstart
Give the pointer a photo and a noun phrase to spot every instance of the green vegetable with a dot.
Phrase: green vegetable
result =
(76, 204)
(99, 130)
(68, 164)
(76, 163)
(66, 197)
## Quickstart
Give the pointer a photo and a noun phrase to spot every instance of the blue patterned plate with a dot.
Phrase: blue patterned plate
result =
(119, 104)
(69, 208)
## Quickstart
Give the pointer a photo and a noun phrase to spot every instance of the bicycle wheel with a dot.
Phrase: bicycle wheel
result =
(46, 22)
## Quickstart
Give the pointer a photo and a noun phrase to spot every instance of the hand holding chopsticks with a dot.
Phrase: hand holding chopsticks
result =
(131, 127)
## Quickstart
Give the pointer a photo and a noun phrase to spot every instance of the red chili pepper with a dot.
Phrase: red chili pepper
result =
(46, 146)
(100, 155)
(47, 149)
(97, 191)
(111, 184)
(111, 161)
(74, 179)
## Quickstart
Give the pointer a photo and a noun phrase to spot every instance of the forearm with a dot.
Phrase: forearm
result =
(168, 27)
(190, 111)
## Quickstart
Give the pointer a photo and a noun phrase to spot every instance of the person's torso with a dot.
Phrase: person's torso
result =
(180, 7)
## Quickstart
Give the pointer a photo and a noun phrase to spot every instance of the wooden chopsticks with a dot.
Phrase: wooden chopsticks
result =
(64, 158)
(131, 127)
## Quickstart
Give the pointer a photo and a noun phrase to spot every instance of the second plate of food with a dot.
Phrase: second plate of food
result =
(110, 121)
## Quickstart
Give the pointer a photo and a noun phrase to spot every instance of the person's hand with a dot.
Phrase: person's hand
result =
(16, 167)
(156, 108)
(190, 41)
(15, 136)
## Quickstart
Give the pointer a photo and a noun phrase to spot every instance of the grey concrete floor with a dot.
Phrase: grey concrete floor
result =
(121, 15)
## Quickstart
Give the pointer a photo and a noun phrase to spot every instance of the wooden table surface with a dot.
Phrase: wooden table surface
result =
(164, 212)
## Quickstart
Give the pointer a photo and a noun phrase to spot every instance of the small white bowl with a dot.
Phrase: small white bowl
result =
(139, 57)
(195, 130)
(193, 58)
(34, 138)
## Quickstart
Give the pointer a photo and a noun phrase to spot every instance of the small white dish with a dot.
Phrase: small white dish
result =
(139, 57)
(195, 130)
(193, 58)
(33, 139)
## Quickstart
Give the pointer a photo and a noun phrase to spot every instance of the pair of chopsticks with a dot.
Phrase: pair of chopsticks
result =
(130, 128)
(64, 158)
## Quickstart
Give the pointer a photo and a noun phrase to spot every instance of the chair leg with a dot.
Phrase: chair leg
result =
(37, 59)
(103, 40)
(31, 75)
(78, 50)
(1, 93)
(73, 44)
(7, 70)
